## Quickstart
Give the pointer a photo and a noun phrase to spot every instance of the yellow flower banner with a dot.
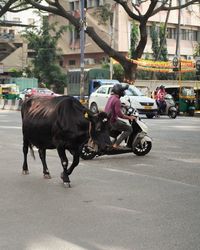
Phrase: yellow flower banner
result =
(164, 67)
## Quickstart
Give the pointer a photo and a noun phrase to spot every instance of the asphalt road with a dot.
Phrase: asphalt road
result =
(122, 202)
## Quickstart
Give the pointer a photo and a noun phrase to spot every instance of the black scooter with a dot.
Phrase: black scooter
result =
(138, 142)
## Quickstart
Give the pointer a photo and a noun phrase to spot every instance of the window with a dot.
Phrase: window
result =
(74, 5)
(136, 2)
(194, 35)
(72, 62)
(71, 6)
(90, 3)
(110, 90)
(96, 3)
(77, 5)
(171, 33)
(102, 90)
(185, 34)
(74, 39)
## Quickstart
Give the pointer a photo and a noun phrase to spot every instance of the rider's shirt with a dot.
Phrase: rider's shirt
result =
(160, 95)
(113, 108)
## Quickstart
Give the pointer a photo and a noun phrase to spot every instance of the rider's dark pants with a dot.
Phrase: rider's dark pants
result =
(161, 106)
(122, 127)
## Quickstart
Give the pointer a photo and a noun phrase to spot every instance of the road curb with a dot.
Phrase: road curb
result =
(10, 104)
(197, 113)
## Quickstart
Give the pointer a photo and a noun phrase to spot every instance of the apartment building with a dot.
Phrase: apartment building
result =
(118, 34)
(13, 48)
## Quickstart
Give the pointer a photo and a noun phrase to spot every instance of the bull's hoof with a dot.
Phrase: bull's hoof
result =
(25, 172)
(47, 176)
(65, 179)
(67, 184)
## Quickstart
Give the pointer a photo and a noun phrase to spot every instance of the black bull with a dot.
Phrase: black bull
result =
(61, 123)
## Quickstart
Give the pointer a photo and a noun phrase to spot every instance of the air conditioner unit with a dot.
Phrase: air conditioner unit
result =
(89, 61)
(189, 8)
(188, 57)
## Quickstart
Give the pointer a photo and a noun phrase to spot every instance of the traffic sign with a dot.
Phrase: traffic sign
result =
(175, 63)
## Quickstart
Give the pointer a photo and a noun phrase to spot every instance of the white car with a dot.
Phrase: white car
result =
(133, 96)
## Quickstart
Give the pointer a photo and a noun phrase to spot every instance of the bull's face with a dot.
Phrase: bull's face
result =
(100, 129)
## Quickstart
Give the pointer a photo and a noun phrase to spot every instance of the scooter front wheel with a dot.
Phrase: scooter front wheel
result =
(87, 154)
(142, 149)
(173, 114)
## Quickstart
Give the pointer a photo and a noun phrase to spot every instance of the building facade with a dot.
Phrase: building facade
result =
(116, 32)
(13, 48)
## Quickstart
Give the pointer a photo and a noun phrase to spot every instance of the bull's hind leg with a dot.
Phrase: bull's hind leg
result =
(42, 154)
(25, 152)
(64, 162)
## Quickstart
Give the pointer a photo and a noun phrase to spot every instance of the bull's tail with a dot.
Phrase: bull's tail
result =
(32, 151)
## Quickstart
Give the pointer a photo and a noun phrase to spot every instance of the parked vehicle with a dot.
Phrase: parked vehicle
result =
(90, 74)
(170, 108)
(184, 97)
(28, 92)
(197, 96)
(9, 91)
(144, 105)
(23, 93)
(21, 82)
(138, 142)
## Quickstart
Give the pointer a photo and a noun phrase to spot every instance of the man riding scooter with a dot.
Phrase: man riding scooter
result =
(113, 109)
(160, 99)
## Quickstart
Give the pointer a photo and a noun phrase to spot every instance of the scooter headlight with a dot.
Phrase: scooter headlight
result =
(130, 111)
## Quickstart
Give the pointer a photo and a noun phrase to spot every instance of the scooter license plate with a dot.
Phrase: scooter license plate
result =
(147, 107)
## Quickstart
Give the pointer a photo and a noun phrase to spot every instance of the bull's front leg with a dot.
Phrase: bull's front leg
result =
(64, 162)
(25, 152)
(75, 162)
(42, 154)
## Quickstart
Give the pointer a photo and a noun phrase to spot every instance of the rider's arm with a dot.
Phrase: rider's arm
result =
(119, 112)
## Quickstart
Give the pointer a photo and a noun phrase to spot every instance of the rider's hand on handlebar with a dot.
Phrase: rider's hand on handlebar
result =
(131, 118)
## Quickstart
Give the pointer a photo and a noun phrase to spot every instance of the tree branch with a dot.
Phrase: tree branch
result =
(163, 6)
(6, 7)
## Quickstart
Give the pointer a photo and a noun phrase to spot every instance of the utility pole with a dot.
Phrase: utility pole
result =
(82, 47)
(112, 30)
(178, 53)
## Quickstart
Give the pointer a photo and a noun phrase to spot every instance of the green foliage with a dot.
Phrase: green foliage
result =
(197, 50)
(159, 42)
(118, 72)
(45, 64)
(154, 38)
(104, 14)
(134, 39)
(15, 73)
(163, 43)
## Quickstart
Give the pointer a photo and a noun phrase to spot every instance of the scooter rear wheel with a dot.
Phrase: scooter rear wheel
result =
(143, 149)
(87, 154)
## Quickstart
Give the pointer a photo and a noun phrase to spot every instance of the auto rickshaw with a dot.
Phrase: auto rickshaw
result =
(184, 97)
(197, 94)
(1, 95)
(9, 91)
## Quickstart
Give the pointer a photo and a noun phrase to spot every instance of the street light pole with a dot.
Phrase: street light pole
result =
(82, 47)
(178, 51)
